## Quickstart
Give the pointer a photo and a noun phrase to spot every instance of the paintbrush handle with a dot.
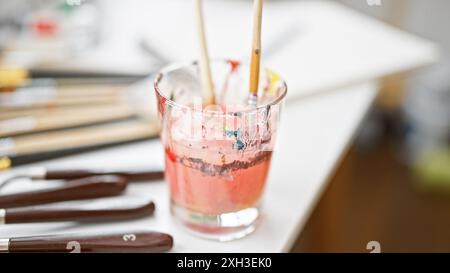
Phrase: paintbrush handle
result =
(45, 214)
(256, 48)
(122, 242)
(86, 188)
(41, 145)
(206, 79)
(130, 175)
(54, 120)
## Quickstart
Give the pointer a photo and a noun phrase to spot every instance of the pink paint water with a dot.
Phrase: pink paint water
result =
(211, 182)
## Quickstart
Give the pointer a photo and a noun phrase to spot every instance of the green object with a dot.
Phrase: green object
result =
(433, 170)
(68, 6)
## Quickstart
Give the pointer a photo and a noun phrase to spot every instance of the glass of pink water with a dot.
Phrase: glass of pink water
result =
(217, 157)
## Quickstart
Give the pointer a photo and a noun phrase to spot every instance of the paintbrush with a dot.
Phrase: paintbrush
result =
(12, 78)
(86, 211)
(30, 148)
(42, 174)
(131, 241)
(206, 80)
(65, 118)
(256, 52)
(85, 188)
(41, 95)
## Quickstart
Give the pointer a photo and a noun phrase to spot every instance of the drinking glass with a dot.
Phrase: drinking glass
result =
(217, 157)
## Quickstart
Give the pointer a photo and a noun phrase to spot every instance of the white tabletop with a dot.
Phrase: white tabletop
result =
(313, 134)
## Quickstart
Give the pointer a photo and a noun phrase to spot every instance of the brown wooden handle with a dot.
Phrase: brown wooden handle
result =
(85, 188)
(130, 175)
(45, 214)
(123, 242)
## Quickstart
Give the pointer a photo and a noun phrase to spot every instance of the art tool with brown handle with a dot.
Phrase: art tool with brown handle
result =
(42, 173)
(75, 212)
(133, 242)
(132, 176)
(85, 188)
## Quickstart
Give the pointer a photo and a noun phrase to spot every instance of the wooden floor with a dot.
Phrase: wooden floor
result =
(372, 197)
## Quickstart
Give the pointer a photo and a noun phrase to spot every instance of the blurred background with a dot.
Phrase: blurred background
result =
(393, 184)
(75, 75)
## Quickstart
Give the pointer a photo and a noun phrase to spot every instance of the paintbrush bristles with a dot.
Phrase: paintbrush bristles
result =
(256, 47)
(205, 69)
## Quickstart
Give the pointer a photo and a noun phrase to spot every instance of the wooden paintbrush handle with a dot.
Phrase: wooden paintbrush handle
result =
(122, 242)
(45, 214)
(256, 47)
(72, 139)
(206, 79)
(64, 119)
(86, 188)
